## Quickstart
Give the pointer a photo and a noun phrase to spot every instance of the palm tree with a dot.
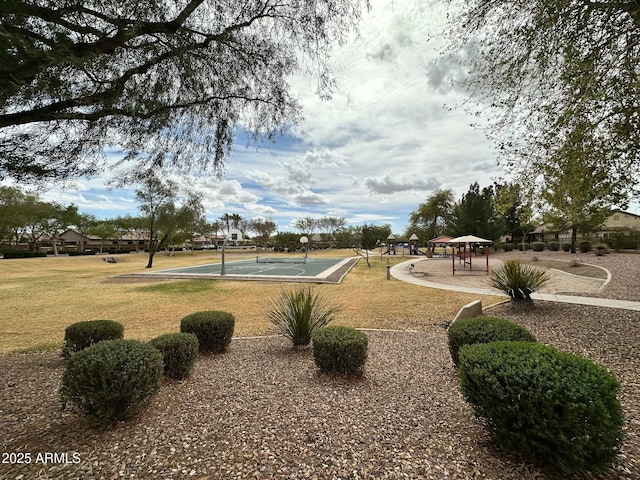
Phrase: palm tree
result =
(226, 218)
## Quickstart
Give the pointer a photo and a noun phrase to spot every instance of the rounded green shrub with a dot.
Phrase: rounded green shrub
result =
(179, 353)
(537, 246)
(553, 246)
(338, 349)
(566, 246)
(213, 328)
(507, 247)
(523, 246)
(584, 247)
(468, 331)
(81, 335)
(111, 380)
(559, 409)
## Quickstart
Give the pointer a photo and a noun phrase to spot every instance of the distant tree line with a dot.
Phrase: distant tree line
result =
(507, 210)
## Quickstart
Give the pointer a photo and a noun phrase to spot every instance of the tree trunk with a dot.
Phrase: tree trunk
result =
(150, 262)
(574, 236)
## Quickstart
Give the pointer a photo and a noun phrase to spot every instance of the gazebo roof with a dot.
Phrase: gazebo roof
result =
(443, 239)
(469, 239)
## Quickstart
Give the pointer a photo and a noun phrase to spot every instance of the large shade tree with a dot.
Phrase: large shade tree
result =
(577, 191)
(517, 214)
(475, 214)
(264, 228)
(16, 208)
(164, 81)
(165, 214)
(540, 67)
(432, 218)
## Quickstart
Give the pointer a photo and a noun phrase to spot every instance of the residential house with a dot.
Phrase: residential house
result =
(620, 230)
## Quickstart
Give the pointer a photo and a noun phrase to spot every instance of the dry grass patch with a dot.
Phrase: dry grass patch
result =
(40, 297)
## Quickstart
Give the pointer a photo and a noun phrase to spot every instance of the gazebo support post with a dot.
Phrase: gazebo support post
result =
(453, 259)
(486, 251)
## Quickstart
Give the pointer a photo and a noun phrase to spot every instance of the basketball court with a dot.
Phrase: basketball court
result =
(287, 269)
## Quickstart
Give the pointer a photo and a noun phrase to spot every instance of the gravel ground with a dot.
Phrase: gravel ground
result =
(624, 269)
(262, 410)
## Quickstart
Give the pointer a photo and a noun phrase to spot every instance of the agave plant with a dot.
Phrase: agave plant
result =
(299, 312)
(517, 280)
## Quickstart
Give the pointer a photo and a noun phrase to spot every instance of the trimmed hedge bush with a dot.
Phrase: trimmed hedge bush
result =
(523, 246)
(213, 328)
(553, 246)
(507, 247)
(9, 254)
(111, 380)
(559, 409)
(81, 335)
(483, 329)
(537, 246)
(584, 246)
(566, 246)
(179, 353)
(338, 349)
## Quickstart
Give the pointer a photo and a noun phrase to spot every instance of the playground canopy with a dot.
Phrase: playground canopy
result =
(441, 240)
(467, 243)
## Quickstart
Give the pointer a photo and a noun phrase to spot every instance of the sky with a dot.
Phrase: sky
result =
(380, 147)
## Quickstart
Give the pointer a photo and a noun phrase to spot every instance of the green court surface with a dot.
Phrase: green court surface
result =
(322, 270)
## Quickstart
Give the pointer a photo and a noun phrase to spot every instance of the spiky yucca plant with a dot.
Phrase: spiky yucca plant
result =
(517, 280)
(298, 312)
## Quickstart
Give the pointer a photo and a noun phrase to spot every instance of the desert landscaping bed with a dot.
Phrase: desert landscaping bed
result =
(262, 410)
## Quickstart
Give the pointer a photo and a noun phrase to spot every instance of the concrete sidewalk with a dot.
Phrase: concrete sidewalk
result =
(402, 272)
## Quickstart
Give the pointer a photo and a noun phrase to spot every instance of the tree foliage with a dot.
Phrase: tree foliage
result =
(264, 228)
(16, 207)
(542, 68)
(165, 81)
(372, 236)
(474, 214)
(577, 189)
(432, 218)
(515, 212)
(165, 216)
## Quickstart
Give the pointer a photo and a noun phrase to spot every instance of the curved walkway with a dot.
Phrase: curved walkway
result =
(403, 272)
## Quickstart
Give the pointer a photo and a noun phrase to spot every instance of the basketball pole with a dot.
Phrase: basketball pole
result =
(224, 244)
(235, 235)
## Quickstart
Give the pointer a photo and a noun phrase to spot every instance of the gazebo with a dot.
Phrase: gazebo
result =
(467, 243)
(444, 241)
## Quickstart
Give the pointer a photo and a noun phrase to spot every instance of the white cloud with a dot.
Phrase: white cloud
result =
(371, 154)
(388, 185)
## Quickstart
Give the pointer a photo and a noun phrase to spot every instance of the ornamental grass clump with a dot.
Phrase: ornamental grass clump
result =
(298, 312)
(518, 281)
(213, 328)
(467, 331)
(81, 335)
(555, 408)
(179, 353)
(112, 380)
